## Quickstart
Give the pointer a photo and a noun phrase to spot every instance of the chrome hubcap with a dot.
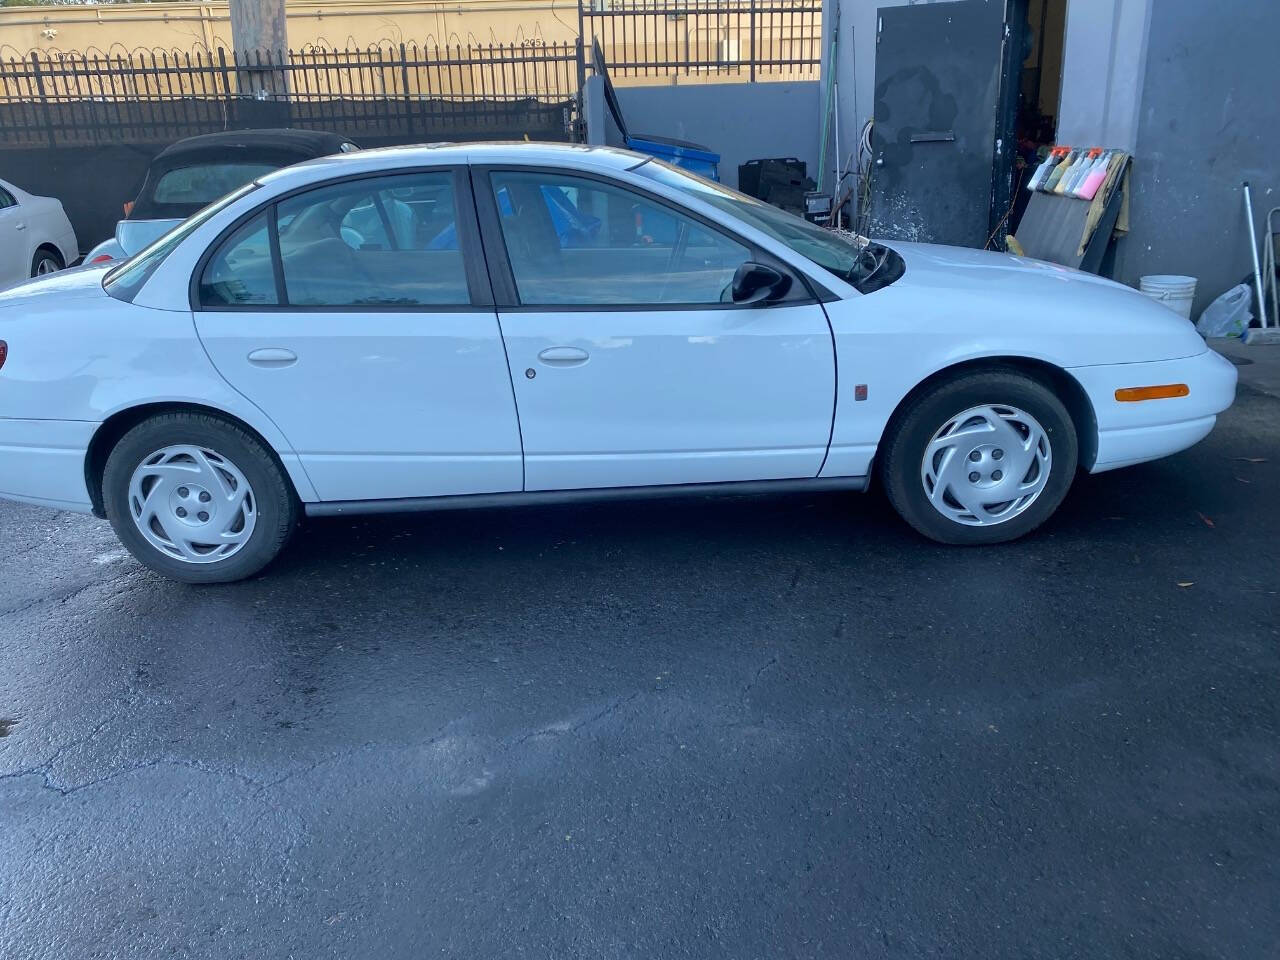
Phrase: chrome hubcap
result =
(46, 265)
(192, 504)
(987, 465)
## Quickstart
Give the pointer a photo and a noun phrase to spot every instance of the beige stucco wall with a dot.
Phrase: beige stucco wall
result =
(119, 29)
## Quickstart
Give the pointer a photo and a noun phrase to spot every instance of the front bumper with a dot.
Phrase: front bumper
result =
(1130, 433)
(42, 462)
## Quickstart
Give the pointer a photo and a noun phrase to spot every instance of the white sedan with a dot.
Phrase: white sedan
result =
(480, 325)
(35, 236)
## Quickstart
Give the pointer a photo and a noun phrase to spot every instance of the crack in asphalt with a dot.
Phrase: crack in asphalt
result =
(65, 598)
(125, 771)
(554, 731)
(772, 661)
(324, 761)
(42, 768)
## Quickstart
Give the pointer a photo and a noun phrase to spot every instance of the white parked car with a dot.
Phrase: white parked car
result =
(477, 325)
(35, 236)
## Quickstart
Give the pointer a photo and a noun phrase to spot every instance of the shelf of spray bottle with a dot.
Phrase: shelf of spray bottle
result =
(1075, 172)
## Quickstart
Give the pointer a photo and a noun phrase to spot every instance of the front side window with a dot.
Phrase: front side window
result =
(837, 253)
(573, 240)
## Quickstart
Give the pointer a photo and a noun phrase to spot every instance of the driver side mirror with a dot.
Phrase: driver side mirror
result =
(756, 283)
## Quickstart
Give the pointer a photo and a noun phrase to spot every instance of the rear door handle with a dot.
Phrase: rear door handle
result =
(272, 357)
(19, 226)
(563, 356)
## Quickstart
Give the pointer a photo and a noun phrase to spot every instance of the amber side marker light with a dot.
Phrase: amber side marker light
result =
(1162, 392)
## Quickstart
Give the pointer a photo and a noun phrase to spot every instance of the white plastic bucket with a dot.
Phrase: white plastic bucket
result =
(1173, 291)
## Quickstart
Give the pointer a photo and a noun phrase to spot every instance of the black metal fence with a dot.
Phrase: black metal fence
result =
(402, 93)
(718, 39)
(382, 95)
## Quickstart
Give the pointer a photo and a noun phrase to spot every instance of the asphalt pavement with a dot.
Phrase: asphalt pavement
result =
(752, 727)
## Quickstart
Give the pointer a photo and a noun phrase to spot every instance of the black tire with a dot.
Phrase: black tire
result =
(49, 254)
(914, 427)
(275, 502)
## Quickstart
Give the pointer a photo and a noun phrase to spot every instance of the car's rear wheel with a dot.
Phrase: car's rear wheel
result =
(983, 457)
(46, 260)
(197, 498)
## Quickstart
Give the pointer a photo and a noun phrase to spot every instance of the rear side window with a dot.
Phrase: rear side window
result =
(241, 272)
(377, 242)
(6, 199)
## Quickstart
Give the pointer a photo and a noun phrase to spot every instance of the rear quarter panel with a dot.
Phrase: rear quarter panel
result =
(76, 354)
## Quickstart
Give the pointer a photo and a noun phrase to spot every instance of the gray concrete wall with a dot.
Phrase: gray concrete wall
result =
(1102, 68)
(1209, 118)
(739, 121)
(1104, 62)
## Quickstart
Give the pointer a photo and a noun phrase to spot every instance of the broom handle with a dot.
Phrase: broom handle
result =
(1253, 249)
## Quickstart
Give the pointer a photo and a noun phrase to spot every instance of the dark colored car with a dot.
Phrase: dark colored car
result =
(190, 174)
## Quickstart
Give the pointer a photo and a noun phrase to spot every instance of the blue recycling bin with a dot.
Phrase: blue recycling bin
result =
(691, 156)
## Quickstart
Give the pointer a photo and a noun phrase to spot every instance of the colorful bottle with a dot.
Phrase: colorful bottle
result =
(1095, 157)
(1081, 172)
(1042, 171)
(1088, 188)
(1082, 157)
(1056, 174)
(1077, 172)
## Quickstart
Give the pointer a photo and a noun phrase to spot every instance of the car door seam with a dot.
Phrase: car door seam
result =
(240, 393)
(497, 318)
(835, 392)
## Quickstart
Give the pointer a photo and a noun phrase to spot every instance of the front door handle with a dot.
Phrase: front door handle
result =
(272, 357)
(563, 356)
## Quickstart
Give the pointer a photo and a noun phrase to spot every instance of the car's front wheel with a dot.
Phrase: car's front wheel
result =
(197, 498)
(984, 457)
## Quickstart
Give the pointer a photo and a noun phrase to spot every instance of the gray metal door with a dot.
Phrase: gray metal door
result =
(940, 101)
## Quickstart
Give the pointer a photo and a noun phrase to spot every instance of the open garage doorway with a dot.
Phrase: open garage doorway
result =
(1039, 95)
(966, 94)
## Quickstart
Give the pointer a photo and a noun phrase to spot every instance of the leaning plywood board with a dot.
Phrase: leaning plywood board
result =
(1074, 232)
(1053, 226)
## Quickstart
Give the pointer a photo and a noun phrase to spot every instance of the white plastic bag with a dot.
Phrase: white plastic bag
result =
(1228, 315)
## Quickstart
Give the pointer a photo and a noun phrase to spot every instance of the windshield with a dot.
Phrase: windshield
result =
(127, 279)
(837, 253)
(203, 183)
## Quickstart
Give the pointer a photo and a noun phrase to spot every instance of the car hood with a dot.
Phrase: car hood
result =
(961, 267)
(991, 291)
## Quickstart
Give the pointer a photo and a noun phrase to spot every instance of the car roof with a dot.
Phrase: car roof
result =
(304, 143)
(523, 152)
